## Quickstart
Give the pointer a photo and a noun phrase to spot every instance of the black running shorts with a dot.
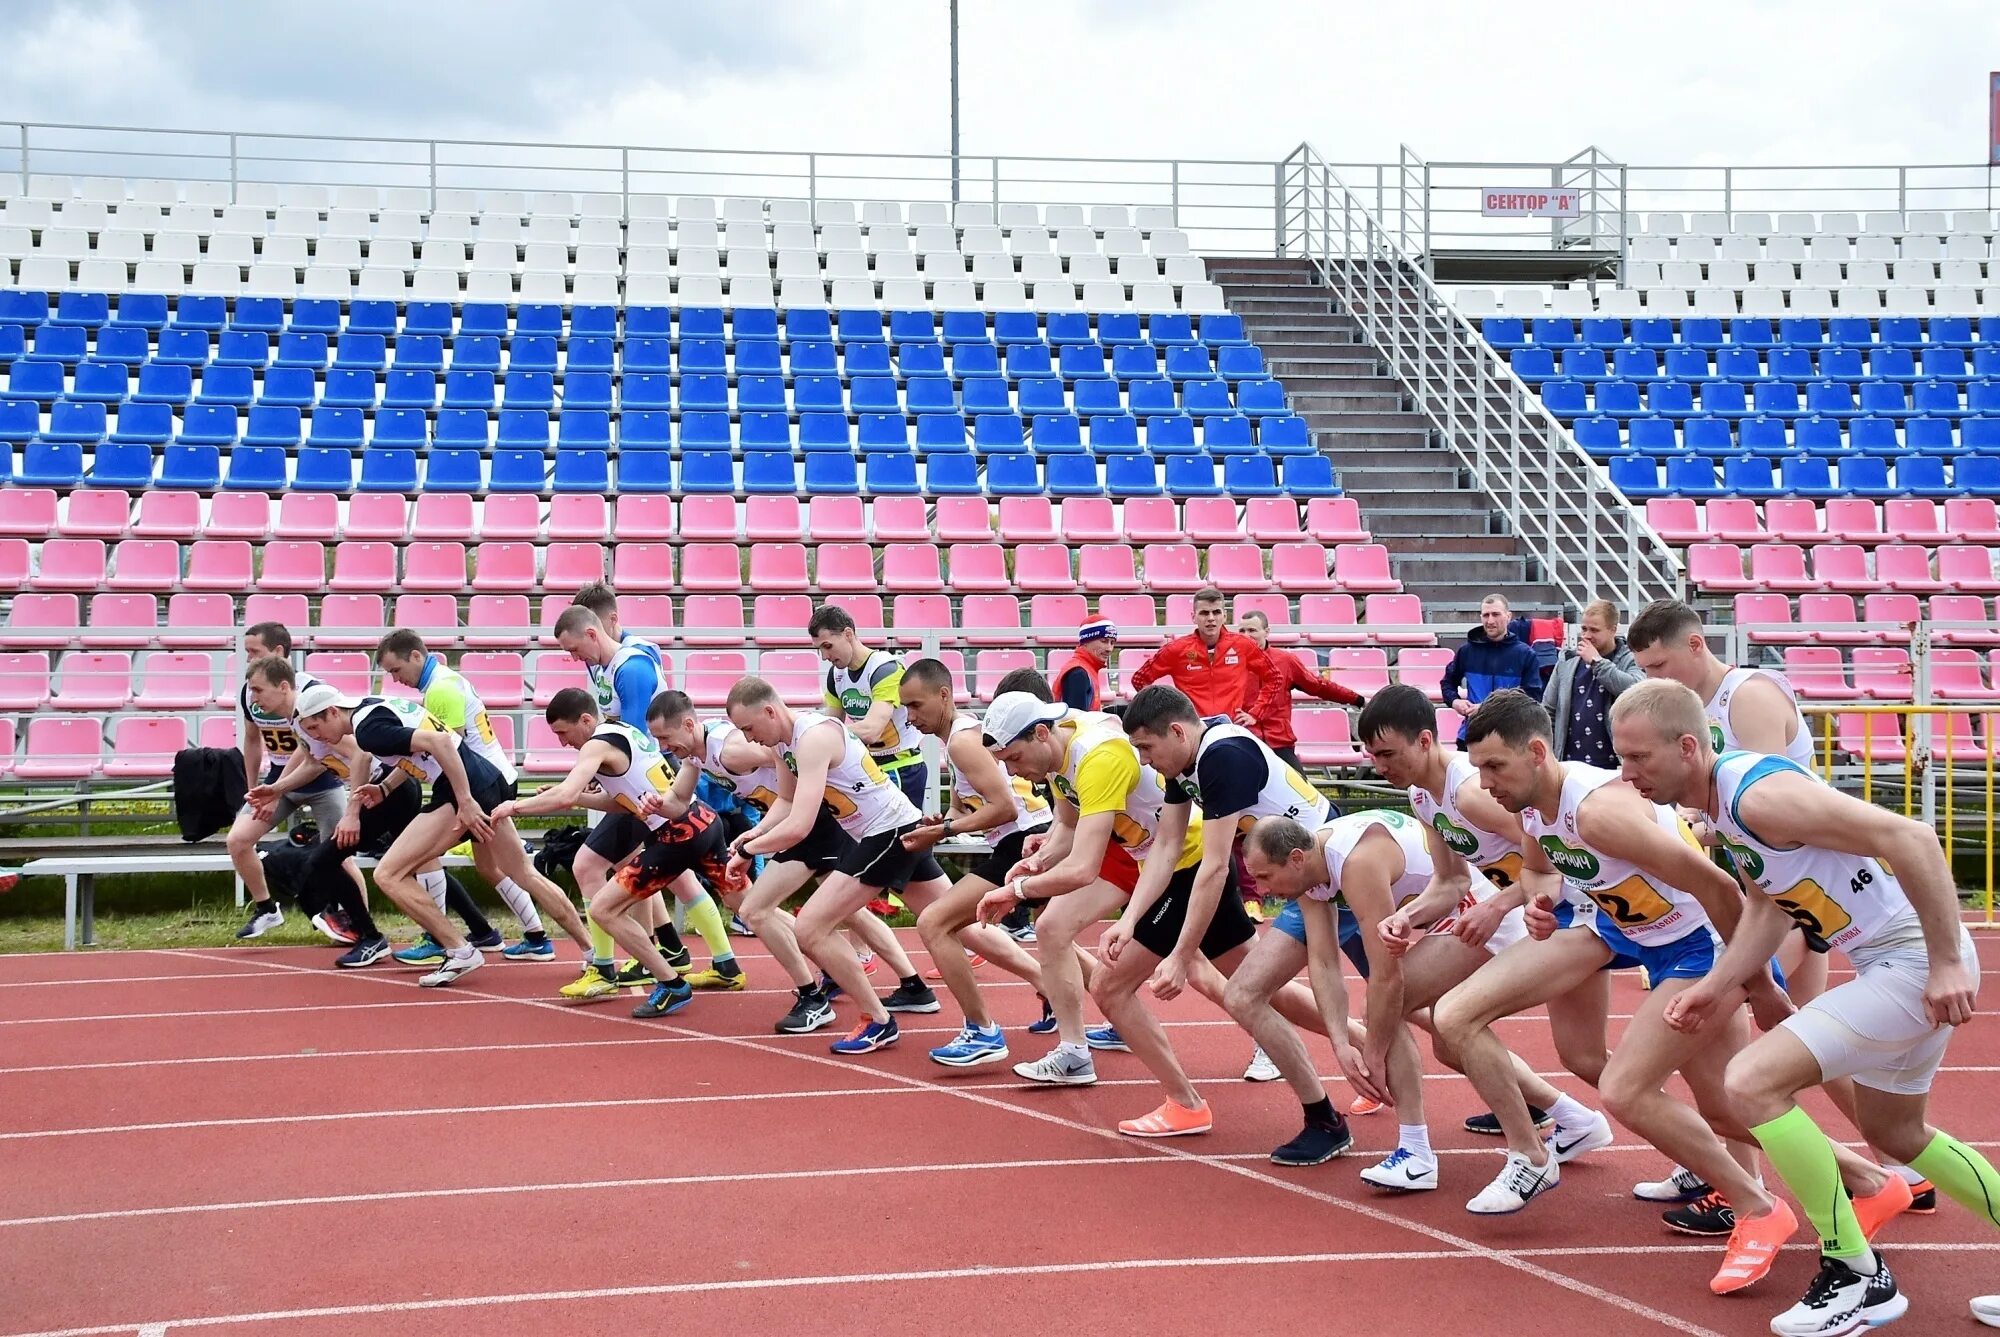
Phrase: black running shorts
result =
(824, 847)
(1229, 929)
(881, 863)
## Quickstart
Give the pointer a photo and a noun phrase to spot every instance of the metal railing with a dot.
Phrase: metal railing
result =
(1588, 537)
(1439, 205)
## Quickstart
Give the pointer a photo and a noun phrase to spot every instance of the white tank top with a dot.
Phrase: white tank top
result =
(858, 794)
(759, 786)
(1031, 811)
(1641, 908)
(1842, 899)
(1285, 793)
(1496, 856)
(1723, 737)
(1338, 838)
(602, 679)
(478, 724)
(324, 755)
(645, 771)
(409, 715)
(281, 734)
(1082, 732)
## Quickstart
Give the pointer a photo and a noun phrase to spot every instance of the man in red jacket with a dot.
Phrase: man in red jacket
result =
(1223, 672)
(1275, 728)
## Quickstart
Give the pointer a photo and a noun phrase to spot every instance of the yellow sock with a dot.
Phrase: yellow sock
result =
(705, 919)
(602, 948)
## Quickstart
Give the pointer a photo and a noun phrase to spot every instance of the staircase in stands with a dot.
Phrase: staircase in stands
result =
(1447, 542)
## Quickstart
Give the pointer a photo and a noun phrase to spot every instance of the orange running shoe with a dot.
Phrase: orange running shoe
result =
(972, 959)
(1363, 1105)
(1879, 1209)
(1169, 1120)
(1753, 1247)
(1923, 1198)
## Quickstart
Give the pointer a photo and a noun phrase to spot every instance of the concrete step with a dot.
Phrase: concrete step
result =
(1389, 499)
(1375, 418)
(1483, 547)
(1439, 524)
(1331, 398)
(1316, 352)
(1393, 458)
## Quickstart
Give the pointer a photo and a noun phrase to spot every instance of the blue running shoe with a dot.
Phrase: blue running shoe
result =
(529, 949)
(1046, 1023)
(829, 989)
(422, 952)
(1105, 1037)
(363, 954)
(972, 1048)
(492, 942)
(868, 1037)
(740, 929)
(665, 1000)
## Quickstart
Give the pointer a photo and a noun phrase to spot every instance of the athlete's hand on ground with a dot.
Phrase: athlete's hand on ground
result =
(1169, 979)
(1478, 922)
(369, 796)
(1690, 1009)
(997, 902)
(1540, 912)
(1396, 933)
(1355, 1069)
(474, 819)
(1949, 995)
(347, 833)
(1114, 940)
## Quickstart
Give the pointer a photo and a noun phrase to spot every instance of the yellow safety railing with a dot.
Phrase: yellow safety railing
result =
(1930, 746)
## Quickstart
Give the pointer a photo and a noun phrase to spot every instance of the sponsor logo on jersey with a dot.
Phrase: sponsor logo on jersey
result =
(1456, 838)
(1578, 864)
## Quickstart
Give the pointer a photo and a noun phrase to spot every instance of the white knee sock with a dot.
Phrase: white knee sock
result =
(522, 905)
(1569, 1112)
(433, 885)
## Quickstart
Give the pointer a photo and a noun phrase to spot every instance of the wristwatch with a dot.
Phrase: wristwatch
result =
(1020, 888)
(944, 828)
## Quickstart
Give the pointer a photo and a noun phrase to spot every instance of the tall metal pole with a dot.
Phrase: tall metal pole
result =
(954, 101)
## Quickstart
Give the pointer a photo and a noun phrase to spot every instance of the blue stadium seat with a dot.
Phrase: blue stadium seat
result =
(998, 431)
(1193, 476)
(1118, 328)
(808, 357)
(475, 353)
(1017, 327)
(129, 345)
(188, 347)
(190, 313)
(1170, 434)
(1189, 364)
(1850, 332)
(1246, 476)
(1074, 476)
(419, 352)
(388, 470)
(1170, 329)
(1582, 364)
(645, 430)
(1132, 476)
(65, 344)
(1310, 476)
(1636, 476)
(295, 387)
(1764, 435)
(1601, 438)
(860, 327)
(1671, 399)
(1978, 475)
(770, 471)
(36, 378)
(1780, 398)
(1831, 399)
(532, 390)
(406, 429)
(1135, 362)
(986, 395)
(56, 464)
(1874, 436)
(101, 382)
(1731, 363)
(1553, 331)
(1953, 331)
(1901, 332)
(1744, 331)
(944, 432)
(129, 465)
(1504, 332)
(707, 471)
(647, 390)
(1027, 359)
(208, 425)
(644, 470)
(758, 394)
(20, 420)
(874, 394)
(948, 474)
(1083, 363)
(1757, 475)
(530, 354)
(802, 323)
(469, 390)
(429, 320)
(273, 425)
(454, 471)
(1788, 362)
(1153, 397)
(536, 320)
(1534, 365)
(371, 316)
(1068, 327)
(1712, 436)
(1884, 398)
(1865, 476)
(596, 353)
(811, 394)
(1804, 331)
(518, 470)
(830, 474)
(1056, 434)
(704, 431)
(1114, 434)
(581, 390)
(931, 394)
(1938, 399)
(1042, 394)
(704, 393)
(1013, 473)
(73, 420)
(188, 468)
(323, 469)
(818, 432)
(302, 350)
(369, 352)
(1819, 434)
(888, 473)
(485, 319)
(336, 427)
(1565, 399)
(1606, 332)
(18, 307)
(866, 360)
(1223, 329)
(1981, 435)
(920, 359)
(88, 309)
(583, 471)
(1917, 476)
(912, 327)
(344, 388)
(883, 433)
(463, 429)
(1227, 436)
(699, 322)
(1658, 332)
(1103, 396)
(583, 429)
(524, 429)
(1841, 364)
(647, 355)
(1211, 398)
(256, 469)
(265, 315)
(1688, 476)
(975, 357)
(152, 424)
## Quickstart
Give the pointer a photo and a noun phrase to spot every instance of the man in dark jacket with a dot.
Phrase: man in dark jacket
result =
(1586, 682)
(1493, 658)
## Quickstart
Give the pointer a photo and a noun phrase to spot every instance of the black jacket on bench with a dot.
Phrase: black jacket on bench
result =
(208, 789)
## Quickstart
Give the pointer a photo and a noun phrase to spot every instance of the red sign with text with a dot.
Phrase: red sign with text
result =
(1508, 202)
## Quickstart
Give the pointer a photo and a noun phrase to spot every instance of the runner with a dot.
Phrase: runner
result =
(626, 768)
(983, 802)
(861, 688)
(1821, 860)
(826, 767)
(1636, 861)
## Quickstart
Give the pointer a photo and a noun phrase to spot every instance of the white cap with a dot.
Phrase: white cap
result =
(321, 697)
(1014, 713)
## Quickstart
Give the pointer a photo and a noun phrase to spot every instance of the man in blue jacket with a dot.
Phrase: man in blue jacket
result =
(1493, 658)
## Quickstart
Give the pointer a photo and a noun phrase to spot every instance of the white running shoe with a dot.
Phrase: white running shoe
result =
(1566, 1144)
(1679, 1186)
(1518, 1183)
(1261, 1068)
(1986, 1308)
(1058, 1067)
(1402, 1171)
(453, 967)
(1841, 1300)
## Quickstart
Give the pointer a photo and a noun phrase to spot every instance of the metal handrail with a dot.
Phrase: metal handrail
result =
(1597, 541)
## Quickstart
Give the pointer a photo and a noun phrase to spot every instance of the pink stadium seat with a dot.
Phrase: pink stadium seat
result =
(356, 566)
(1818, 674)
(895, 520)
(177, 515)
(1768, 618)
(1872, 739)
(1330, 619)
(308, 515)
(851, 566)
(1277, 610)
(993, 665)
(553, 670)
(1395, 610)
(302, 566)
(443, 517)
(1883, 674)
(1128, 662)
(1906, 568)
(1171, 566)
(994, 619)
(504, 568)
(1027, 520)
(1213, 520)
(1137, 617)
(832, 519)
(1780, 566)
(499, 676)
(1956, 676)
(773, 520)
(1904, 609)
(779, 567)
(1842, 566)
(511, 517)
(104, 513)
(433, 567)
(579, 517)
(964, 520)
(639, 517)
(702, 520)
(568, 567)
(1364, 668)
(913, 616)
(981, 568)
(1676, 519)
(779, 619)
(178, 680)
(1960, 736)
(1329, 520)
(382, 516)
(503, 734)
(432, 616)
(1326, 737)
(1180, 613)
(1717, 567)
(30, 512)
(1971, 612)
(152, 565)
(24, 681)
(1103, 568)
(1143, 520)
(125, 621)
(954, 662)
(1423, 667)
(1095, 520)
(797, 674)
(1967, 568)
(13, 563)
(550, 610)
(90, 680)
(352, 671)
(198, 621)
(1913, 520)
(649, 567)
(648, 615)
(349, 621)
(1852, 520)
(865, 609)
(1277, 520)
(290, 609)
(46, 621)
(709, 674)
(1055, 618)
(1735, 520)
(1301, 567)
(220, 731)
(1237, 568)
(61, 749)
(71, 564)
(1828, 619)
(1356, 566)
(143, 747)
(546, 754)
(1972, 520)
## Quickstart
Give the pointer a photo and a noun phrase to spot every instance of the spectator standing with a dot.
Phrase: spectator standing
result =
(1223, 672)
(1080, 682)
(1583, 685)
(1493, 658)
(1275, 728)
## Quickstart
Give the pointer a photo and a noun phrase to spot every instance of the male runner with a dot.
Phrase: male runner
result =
(627, 769)
(861, 688)
(1876, 886)
(823, 765)
(1655, 897)
(268, 743)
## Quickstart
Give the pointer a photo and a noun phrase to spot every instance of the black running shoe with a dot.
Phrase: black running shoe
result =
(1709, 1214)
(635, 976)
(811, 1010)
(907, 999)
(682, 961)
(1488, 1124)
(1923, 1199)
(1316, 1144)
(1841, 1300)
(492, 941)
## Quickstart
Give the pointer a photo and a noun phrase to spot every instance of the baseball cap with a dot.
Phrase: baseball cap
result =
(321, 696)
(1014, 713)
(1097, 629)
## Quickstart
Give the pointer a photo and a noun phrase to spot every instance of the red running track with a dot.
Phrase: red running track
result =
(247, 1141)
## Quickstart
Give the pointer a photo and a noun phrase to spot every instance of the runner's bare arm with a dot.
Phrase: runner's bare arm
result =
(1619, 821)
